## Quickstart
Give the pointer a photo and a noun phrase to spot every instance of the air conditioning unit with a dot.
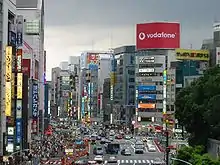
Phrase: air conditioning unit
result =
(12, 28)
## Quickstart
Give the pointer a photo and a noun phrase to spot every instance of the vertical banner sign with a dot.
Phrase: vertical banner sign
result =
(8, 100)
(19, 85)
(18, 121)
(19, 60)
(164, 92)
(34, 107)
(8, 78)
(20, 30)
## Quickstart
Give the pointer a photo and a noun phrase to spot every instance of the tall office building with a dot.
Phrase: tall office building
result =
(124, 87)
(33, 46)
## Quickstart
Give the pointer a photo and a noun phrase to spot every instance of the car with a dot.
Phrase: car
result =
(103, 141)
(152, 148)
(99, 159)
(127, 137)
(112, 159)
(98, 138)
(98, 151)
(118, 137)
(126, 152)
(111, 138)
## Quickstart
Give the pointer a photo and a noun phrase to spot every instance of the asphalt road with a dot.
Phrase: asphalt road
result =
(137, 159)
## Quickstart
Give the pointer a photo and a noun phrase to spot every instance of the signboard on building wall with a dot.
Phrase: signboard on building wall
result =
(144, 60)
(26, 67)
(36, 70)
(158, 35)
(188, 54)
(35, 101)
(19, 22)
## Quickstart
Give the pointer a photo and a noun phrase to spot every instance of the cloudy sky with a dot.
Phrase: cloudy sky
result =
(73, 26)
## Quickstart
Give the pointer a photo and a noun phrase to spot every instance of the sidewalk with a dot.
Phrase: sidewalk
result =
(160, 147)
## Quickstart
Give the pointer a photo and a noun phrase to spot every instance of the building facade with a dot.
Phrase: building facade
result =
(124, 87)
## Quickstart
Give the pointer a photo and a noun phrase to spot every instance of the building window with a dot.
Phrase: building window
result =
(131, 80)
(131, 72)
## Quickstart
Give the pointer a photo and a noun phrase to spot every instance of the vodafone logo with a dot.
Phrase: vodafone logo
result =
(142, 36)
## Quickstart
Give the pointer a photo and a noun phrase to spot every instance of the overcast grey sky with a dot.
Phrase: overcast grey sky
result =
(73, 26)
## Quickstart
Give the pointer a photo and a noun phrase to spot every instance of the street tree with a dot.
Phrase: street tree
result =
(198, 107)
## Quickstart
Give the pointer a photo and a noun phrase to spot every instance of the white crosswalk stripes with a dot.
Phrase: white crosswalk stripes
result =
(147, 161)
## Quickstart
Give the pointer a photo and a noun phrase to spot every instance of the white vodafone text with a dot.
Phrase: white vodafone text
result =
(143, 35)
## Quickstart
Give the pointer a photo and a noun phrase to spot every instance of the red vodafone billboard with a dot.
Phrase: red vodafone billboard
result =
(158, 35)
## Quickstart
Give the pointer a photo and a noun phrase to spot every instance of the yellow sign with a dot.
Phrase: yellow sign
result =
(113, 78)
(8, 99)
(19, 85)
(13, 86)
(8, 63)
(188, 54)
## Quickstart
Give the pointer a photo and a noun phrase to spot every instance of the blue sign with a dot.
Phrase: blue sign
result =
(35, 101)
(147, 97)
(83, 109)
(18, 130)
(146, 88)
(93, 67)
(10, 139)
(12, 38)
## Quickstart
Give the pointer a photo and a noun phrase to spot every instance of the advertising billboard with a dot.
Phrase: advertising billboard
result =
(93, 61)
(146, 88)
(145, 60)
(8, 100)
(146, 70)
(13, 86)
(35, 101)
(34, 126)
(147, 106)
(147, 96)
(19, 85)
(18, 121)
(8, 63)
(19, 60)
(26, 67)
(158, 35)
(189, 54)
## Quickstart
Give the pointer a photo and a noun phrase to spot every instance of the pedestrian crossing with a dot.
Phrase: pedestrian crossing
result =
(55, 162)
(147, 161)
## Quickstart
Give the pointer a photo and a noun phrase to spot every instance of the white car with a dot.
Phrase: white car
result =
(99, 158)
(152, 148)
(112, 159)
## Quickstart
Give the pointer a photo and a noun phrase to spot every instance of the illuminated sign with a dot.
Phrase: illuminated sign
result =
(18, 109)
(8, 63)
(13, 86)
(19, 60)
(111, 92)
(34, 126)
(147, 97)
(146, 70)
(148, 106)
(8, 99)
(35, 101)
(146, 88)
(19, 85)
(164, 91)
(188, 54)
(10, 131)
(144, 60)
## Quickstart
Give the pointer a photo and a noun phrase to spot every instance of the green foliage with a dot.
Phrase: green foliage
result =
(195, 156)
(198, 107)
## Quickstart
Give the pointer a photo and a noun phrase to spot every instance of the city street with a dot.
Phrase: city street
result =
(147, 157)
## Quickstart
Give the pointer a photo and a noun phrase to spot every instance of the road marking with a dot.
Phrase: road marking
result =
(131, 161)
(146, 150)
(139, 161)
(156, 147)
(135, 161)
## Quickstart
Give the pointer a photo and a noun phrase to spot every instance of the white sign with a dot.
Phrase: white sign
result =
(146, 70)
(144, 60)
(10, 131)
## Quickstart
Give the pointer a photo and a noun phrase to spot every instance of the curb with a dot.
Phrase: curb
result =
(161, 148)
